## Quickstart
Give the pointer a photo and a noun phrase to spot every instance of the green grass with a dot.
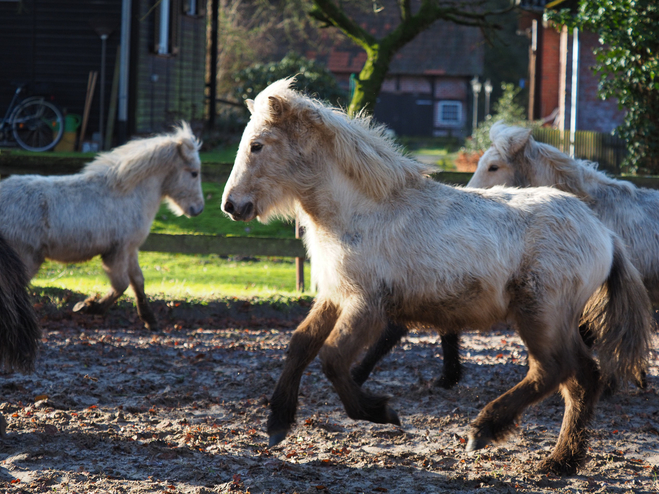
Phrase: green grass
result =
(183, 277)
(214, 222)
(445, 158)
(225, 154)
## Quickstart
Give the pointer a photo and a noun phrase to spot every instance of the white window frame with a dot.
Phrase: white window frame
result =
(439, 122)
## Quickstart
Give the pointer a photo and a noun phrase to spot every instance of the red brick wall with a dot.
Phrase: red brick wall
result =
(550, 71)
(592, 112)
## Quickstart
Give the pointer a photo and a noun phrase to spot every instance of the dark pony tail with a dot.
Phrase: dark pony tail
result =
(19, 329)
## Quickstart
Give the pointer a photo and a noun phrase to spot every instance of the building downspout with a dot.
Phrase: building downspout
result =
(124, 64)
(575, 82)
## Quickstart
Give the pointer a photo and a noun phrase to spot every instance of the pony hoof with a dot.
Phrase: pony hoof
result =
(556, 467)
(3, 427)
(276, 438)
(392, 417)
(446, 382)
(642, 380)
(476, 443)
(80, 307)
(151, 326)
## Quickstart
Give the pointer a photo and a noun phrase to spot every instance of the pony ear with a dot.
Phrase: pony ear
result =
(250, 105)
(519, 140)
(277, 107)
(513, 139)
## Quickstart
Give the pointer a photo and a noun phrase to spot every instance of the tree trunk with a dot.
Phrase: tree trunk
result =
(369, 81)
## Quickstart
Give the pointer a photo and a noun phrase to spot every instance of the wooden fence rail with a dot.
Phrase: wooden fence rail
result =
(224, 246)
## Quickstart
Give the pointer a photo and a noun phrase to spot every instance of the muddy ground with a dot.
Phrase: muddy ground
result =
(113, 408)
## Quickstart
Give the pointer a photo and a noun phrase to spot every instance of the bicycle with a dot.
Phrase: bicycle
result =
(33, 123)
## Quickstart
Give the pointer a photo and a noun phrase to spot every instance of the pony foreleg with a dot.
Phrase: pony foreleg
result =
(389, 339)
(452, 370)
(137, 282)
(305, 343)
(352, 330)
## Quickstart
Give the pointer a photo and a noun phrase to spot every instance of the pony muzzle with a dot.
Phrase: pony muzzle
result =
(239, 212)
(196, 210)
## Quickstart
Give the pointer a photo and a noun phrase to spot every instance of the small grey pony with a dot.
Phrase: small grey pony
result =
(515, 159)
(106, 209)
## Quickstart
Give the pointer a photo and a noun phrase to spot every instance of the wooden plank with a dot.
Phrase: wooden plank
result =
(29, 164)
(218, 244)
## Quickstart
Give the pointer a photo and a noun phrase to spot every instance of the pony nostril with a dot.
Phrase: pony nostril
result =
(247, 210)
(196, 211)
(229, 207)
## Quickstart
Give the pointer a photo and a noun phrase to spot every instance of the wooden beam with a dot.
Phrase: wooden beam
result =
(218, 244)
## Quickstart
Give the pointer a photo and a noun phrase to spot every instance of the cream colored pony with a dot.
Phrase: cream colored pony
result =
(105, 210)
(391, 244)
(516, 159)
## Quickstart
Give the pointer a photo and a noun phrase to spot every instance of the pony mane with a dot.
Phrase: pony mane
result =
(126, 166)
(576, 176)
(364, 150)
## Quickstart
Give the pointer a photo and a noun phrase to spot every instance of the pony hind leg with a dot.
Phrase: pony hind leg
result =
(137, 283)
(115, 266)
(354, 328)
(497, 419)
(305, 343)
(580, 393)
(389, 339)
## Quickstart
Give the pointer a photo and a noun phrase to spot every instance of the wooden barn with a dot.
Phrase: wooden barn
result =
(149, 55)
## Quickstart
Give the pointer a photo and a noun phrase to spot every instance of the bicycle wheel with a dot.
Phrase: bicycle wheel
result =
(37, 125)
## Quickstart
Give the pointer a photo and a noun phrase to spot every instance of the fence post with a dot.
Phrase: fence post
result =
(299, 261)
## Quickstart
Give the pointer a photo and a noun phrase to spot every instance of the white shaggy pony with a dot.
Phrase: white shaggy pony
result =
(391, 244)
(516, 159)
(107, 210)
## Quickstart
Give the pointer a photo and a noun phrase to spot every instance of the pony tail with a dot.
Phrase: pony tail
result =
(619, 316)
(19, 330)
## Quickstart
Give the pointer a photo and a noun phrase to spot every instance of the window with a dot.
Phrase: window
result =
(449, 113)
(194, 7)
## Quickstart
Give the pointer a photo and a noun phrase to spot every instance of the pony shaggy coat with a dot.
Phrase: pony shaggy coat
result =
(390, 244)
(516, 159)
(105, 210)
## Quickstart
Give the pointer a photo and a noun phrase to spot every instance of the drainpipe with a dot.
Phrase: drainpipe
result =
(124, 63)
(575, 82)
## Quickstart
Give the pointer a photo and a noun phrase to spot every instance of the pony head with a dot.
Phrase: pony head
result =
(294, 146)
(266, 154)
(497, 166)
(515, 159)
(169, 161)
(182, 186)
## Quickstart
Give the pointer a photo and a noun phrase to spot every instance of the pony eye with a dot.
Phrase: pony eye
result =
(194, 174)
(256, 147)
(493, 168)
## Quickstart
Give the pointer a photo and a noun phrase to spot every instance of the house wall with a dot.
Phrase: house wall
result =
(593, 113)
(170, 88)
(550, 70)
(412, 105)
(53, 42)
